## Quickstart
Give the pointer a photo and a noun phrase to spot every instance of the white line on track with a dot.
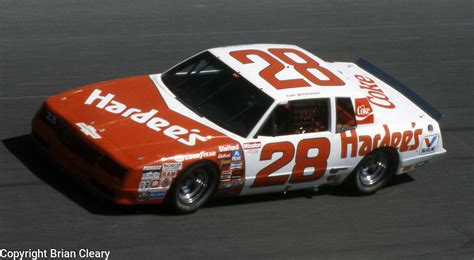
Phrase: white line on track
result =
(22, 97)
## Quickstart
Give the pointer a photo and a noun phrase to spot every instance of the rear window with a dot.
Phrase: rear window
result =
(345, 118)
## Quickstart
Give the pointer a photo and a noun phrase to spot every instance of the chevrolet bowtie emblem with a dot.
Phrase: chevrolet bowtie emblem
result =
(89, 130)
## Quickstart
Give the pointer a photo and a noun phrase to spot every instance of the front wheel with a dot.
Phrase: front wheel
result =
(374, 171)
(193, 187)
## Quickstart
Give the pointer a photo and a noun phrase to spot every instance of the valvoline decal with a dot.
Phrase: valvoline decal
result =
(429, 144)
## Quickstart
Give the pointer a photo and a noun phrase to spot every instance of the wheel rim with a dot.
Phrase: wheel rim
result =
(373, 169)
(193, 187)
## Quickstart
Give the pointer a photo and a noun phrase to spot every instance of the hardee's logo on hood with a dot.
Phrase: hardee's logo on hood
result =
(178, 133)
(364, 112)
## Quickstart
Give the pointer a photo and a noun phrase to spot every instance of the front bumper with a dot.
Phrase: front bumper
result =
(81, 159)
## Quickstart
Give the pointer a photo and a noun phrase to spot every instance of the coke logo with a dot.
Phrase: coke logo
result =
(375, 94)
(363, 111)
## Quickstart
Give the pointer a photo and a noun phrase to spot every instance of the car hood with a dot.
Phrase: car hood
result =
(129, 117)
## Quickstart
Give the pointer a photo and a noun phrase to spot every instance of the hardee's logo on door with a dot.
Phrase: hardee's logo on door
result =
(364, 112)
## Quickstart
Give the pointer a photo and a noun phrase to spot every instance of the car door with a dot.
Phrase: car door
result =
(292, 149)
(344, 140)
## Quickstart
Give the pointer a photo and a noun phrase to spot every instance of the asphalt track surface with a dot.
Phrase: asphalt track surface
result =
(51, 46)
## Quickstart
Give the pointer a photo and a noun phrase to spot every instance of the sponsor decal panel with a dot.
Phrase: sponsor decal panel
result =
(232, 183)
(236, 156)
(237, 174)
(429, 144)
(223, 156)
(167, 178)
(232, 174)
(252, 147)
(170, 174)
(364, 112)
(157, 194)
(228, 147)
(236, 165)
(152, 168)
(225, 175)
(150, 180)
(155, 184)
(107, 102)
(156, 180)
(166, 182)
(144, 186)
(225, 165)
(353, 144)
(151, 195)
(172, 166)
(150, 175)
(194, 156)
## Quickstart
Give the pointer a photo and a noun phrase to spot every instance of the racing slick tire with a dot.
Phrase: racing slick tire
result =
(374, 171)
(193, 187)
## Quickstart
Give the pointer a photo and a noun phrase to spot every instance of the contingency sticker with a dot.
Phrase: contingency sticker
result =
(172, 166)
(151, 183)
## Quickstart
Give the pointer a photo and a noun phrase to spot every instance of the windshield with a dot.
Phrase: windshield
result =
(213, 90)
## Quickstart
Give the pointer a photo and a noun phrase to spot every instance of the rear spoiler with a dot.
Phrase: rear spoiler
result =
(400, 87)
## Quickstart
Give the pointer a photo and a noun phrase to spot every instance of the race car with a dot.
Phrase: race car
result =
(239, 120)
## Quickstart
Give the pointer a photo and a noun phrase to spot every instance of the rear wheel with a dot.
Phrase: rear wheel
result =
(193, 187)
(374, 171)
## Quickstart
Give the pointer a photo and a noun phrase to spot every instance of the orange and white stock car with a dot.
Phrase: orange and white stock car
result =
(239, 120)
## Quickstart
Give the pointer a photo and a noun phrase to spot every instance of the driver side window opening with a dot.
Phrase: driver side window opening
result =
(298, 117)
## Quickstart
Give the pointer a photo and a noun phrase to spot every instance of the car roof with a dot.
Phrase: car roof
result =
(251, 71)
